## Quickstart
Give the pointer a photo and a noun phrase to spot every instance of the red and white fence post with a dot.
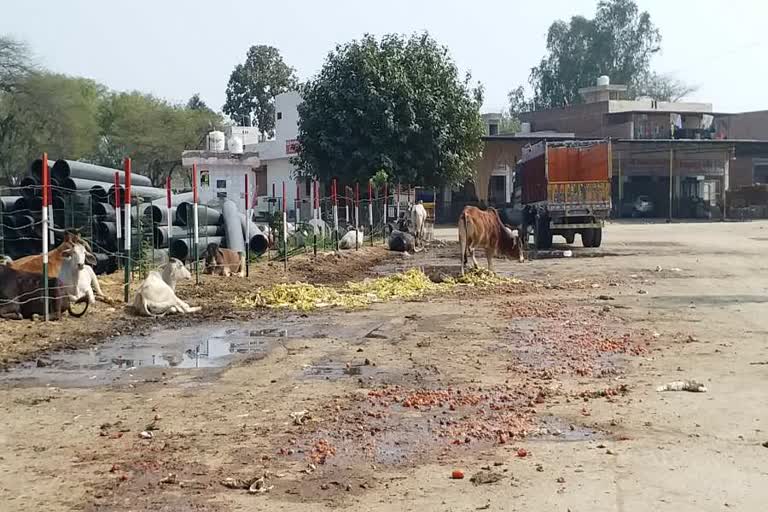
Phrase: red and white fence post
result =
(46, 201)
(118, 213)
(127, 238)
(370, 208)
(285, 228)
(195, 222)
(170, 220)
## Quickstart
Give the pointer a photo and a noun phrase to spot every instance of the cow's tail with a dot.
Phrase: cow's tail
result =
(78, 301)
(463, 239)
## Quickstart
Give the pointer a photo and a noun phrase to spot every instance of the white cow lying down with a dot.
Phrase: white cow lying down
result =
(78, 279)
(156, 295)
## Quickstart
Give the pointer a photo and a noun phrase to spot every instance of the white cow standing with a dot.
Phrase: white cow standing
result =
(78, 279)
(418, 221)
(156, 295)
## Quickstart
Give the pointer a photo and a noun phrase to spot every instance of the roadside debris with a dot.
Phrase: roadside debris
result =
(683, 385)
(410, 284)
(486, 477)
(259, 486)
(256, 485)
(170, 479)
(299, 417)
(320, 451)
(146, 434)
(457, 474)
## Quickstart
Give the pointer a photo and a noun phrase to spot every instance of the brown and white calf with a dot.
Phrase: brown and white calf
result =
(223, 262)
(484, 229)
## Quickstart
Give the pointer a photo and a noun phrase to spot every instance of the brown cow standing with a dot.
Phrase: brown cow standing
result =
(223, 262)
(478, 228)
(34, 263)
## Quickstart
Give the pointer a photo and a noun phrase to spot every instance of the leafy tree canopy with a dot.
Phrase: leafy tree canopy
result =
(152, 131)
(253, 86)
(618, 42)
(48, 112)
(79, 119)
(396, 105)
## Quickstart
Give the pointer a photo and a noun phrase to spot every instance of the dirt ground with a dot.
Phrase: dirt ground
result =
(20, 340)
(542, 393)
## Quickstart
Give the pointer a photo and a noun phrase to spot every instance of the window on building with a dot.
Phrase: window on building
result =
(761, 174)
(493, 129)
(279, 116)
(221, 183)
(221, 195)
(307, 187)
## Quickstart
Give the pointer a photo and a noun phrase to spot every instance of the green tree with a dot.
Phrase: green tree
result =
(152, 131)
(253, 86)
(619, 42)
(15, 63)
(48, 112)
(197, 103)
(397, 105)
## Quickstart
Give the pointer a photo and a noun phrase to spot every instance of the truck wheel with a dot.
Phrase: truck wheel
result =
(587, 237)
(597, 237)
(543, 233)
(570, 237)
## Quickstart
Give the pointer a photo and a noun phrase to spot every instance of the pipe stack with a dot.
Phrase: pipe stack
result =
(83, 198)
(81, 194)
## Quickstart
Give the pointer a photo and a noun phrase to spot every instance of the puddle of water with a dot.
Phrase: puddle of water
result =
(130, 358)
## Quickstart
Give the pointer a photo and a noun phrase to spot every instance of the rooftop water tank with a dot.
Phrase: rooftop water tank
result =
(525, 127)
(603, 80)
(236, 145)
(215, 141)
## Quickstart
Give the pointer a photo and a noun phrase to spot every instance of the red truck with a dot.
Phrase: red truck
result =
(564, 188)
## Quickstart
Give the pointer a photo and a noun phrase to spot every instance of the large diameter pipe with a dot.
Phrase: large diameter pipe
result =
(71, 169)
(161, 233)
(21, 204)
(181, 248)
(136, 191)
(176, 199)
(36, 168)
(7, 203)
(103, 210)
(29, 186)
(233, 227)
(25, 224)
(105, 263)
(97, 189)
(258, 243)
(207, 216)
(159, 215)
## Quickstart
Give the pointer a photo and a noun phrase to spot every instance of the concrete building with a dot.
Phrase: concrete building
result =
(229, 155)
(221, 172)
(275, 154)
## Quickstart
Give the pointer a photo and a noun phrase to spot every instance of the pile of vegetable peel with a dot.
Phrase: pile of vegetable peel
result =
(410, 284)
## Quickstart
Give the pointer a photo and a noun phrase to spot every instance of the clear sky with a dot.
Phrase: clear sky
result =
(174, 48)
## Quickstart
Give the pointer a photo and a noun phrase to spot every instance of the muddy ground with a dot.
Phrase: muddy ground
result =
(22, 340)
(542, 394)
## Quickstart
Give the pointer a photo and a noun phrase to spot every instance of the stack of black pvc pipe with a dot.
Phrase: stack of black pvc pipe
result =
(82, 199)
